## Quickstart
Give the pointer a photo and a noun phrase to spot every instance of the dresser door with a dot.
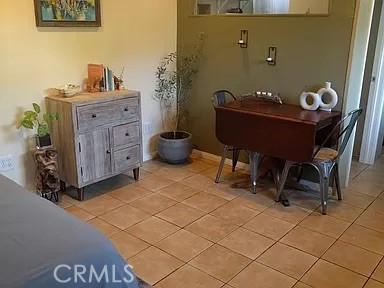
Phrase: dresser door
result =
(95, 155)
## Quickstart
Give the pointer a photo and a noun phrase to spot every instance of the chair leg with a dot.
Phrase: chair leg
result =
(332, 183)
(222, 162)
(254, 163)
(276, 177)
(324, 195)
(337, 182)
(325, 171)
(235, 158)
(300, 174)
(283, 178)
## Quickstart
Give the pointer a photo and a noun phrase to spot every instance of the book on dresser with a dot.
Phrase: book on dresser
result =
(97, 136)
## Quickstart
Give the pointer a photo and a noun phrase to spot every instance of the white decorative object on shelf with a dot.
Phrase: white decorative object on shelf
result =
(332, 100)
(315, 103)
(69, 90)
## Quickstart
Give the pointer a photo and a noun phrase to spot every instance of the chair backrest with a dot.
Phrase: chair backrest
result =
(222, 97)
(346, 133)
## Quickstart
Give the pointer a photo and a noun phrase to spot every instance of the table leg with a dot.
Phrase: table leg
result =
(254, 162)
(284, 200)
(276, 173)
(280, 195)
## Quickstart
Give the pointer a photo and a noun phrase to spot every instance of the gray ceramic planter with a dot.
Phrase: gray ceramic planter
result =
(174, 147)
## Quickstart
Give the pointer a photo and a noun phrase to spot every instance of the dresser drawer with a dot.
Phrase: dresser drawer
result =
(93, 115)
(126, 158)
(128, 134)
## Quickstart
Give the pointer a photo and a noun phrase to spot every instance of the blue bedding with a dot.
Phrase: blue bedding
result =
(41, 246)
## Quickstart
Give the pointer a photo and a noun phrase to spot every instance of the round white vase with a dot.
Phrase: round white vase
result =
(329, 105)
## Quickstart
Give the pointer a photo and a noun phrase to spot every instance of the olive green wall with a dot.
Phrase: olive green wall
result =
(311, 50)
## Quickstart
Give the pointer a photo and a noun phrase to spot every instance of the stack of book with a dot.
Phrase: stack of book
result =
(100, 78)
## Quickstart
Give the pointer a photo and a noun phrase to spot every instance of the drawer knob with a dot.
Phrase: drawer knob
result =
(128, 158)
(108, 152)
(127, 134)
(126, 109)
(93, 115)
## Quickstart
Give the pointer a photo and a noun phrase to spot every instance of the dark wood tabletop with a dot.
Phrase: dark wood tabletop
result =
(282, 131)
(287, 112)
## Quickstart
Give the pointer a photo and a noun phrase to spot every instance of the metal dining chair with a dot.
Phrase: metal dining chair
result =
(326, 160)
(220, 98)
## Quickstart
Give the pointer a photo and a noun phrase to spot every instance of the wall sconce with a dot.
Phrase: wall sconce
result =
(271, 59)
(243, 42)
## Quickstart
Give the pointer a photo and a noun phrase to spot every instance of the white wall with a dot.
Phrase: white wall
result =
(379, 149)
(355, 74)
(134, 34)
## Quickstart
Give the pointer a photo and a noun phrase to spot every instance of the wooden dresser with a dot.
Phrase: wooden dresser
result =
(97, 136)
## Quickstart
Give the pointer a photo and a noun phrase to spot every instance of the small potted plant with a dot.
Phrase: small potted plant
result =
(174, 77)
(35, 119)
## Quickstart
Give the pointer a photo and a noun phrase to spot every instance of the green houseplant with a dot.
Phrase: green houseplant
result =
(41, 122)
(175, 76)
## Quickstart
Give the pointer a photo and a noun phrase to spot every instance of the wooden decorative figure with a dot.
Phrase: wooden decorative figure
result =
(47, 176)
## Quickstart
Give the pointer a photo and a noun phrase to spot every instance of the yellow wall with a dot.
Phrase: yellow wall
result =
(134, 34)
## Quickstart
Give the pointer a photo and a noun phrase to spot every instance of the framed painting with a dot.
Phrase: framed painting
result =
(67, 13)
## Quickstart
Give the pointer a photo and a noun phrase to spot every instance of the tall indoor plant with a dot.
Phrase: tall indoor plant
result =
(175, 77)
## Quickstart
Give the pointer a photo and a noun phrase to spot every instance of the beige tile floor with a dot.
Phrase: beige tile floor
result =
(177, 228)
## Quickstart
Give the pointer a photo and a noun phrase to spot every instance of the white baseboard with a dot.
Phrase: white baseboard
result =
(149, 156)
(216, 158)
(204, 155)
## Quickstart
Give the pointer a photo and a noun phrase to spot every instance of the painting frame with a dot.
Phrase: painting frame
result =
(40, 22)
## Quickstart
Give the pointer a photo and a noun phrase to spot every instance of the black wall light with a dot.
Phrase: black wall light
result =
(243, 42)
(271, 59)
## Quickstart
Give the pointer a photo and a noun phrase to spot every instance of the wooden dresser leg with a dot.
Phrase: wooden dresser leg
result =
(80, 194)
(63, 186)
(136, 174)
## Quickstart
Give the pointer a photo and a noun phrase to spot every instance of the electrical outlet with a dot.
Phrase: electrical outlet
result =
(6, 163)
(147, 128)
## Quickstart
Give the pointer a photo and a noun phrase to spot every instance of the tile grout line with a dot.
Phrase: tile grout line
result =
(318, 258)
(153, 245)
(338, 239)
(168, 274)
(242, 226)
(275, 242)
(362, 170)
(299, 249)
(185, 263)
(278, 241)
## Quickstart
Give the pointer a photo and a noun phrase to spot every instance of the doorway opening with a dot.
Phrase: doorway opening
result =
(370, 131)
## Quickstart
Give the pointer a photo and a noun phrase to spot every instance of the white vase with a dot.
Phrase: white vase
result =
(333, 100)
(315, 101)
